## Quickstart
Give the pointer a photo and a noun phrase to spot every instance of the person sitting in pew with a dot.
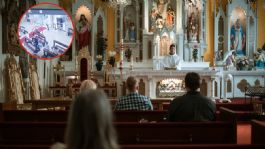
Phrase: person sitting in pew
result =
(192, 106)
(90, 124)
(133, 100)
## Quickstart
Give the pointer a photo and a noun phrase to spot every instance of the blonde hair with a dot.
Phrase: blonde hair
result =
(87, 85)
(90, 122)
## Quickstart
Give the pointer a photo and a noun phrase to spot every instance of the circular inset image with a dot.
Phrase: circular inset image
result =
(46, 31)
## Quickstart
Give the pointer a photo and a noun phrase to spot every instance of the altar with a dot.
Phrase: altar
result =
(170, 83)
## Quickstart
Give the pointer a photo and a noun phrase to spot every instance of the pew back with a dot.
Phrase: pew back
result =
(128, 132)
(258, 132)
(176, 133)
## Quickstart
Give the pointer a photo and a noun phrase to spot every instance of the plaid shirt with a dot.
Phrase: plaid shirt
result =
(134, 101)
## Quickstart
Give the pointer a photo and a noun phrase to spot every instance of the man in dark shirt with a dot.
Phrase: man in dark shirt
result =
(192, 106)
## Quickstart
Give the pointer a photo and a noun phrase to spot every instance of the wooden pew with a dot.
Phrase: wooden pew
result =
(195, 146)
(137, 116)
(62, 115)
(228, 114)
(34, 115)
(176, 133)
(30, 133)
(258, 132)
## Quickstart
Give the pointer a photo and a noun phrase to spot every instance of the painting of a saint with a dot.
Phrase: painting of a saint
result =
(83, 30)
(238, 32)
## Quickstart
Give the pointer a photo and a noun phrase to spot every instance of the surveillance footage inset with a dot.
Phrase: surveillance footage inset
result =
(46, 31)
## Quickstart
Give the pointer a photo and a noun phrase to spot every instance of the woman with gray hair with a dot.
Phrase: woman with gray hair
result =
(90, 123)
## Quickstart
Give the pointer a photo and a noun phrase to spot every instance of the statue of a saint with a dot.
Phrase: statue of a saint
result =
(230, 60)
(238, 38)
(193, 28)
(170, 17)
(83, 30)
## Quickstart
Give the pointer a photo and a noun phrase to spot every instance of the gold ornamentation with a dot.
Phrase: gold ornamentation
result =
(15, 87)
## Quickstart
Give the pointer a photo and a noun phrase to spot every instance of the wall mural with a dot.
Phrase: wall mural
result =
(238, 31)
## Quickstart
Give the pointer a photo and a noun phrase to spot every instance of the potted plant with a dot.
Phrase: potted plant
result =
(195, 55)
(99, 63)
(112, 57)
(101, 45)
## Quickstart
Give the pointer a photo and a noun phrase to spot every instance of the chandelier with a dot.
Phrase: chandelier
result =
(116, 3)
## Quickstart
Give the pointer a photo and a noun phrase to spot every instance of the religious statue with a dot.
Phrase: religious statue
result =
(219, 55)
(193, 28)
(132, 33)
(230, 60)
(13, 34)
(259, 59)
(161, 7)
(153, 15)
(170, 17)
(159, 22)
(238, 39)
(83, 30)
(59, 67)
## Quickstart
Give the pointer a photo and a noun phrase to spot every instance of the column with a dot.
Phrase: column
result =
(213, 88)
(146, 15)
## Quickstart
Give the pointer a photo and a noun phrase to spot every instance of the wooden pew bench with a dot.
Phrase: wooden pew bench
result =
(29, 133)
(258, 132)
(194, 146)
(237, 116)
(34, 115)
(176, 133)
(137, 116)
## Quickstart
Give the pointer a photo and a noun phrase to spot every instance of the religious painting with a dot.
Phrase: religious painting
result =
(238, 31)
(162, 15)
(129, 23)
(83, 21)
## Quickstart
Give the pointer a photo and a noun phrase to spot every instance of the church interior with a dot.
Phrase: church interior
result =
(48, 47)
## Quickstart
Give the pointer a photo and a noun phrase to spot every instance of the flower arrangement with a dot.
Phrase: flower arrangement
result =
(112, 57)
(195, 54)
(99, 57)
(112, 53)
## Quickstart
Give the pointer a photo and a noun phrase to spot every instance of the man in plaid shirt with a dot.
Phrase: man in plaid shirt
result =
(133, 100)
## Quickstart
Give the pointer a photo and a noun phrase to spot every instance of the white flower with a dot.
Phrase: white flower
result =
(112, 53)
(99, 57)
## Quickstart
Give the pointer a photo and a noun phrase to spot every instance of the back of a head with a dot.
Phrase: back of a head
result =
(131, 83)
(192, 81)
(87, 85)
(90, 123)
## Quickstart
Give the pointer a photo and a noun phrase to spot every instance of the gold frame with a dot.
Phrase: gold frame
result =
(15, 86)
(34, 83)
(84, 53)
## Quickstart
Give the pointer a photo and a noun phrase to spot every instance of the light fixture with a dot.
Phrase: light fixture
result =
(116, 3)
